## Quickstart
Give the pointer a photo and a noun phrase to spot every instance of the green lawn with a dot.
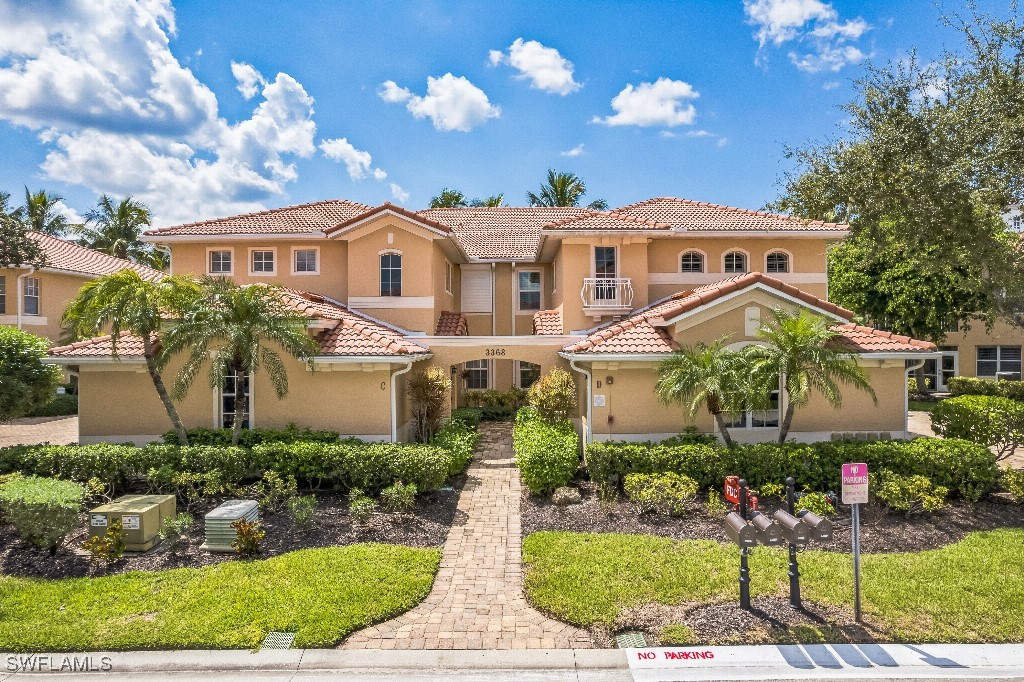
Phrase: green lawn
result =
(320, 594)
(921, 405)
(970, 591)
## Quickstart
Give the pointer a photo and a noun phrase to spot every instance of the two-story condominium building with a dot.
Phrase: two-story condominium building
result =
(497, 296)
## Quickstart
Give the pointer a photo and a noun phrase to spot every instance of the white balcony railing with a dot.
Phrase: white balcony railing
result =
(607, 292)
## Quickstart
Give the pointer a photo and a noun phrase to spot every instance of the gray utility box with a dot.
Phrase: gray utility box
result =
(219, 533)
(140, 517)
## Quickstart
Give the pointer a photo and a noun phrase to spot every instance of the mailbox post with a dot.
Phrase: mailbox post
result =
(794, 567)
(744, 568)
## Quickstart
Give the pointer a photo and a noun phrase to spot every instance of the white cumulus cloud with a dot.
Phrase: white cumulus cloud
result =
(665, 103)
(813, 24)
(451, 103)
(250, 81)
(398, 193)
(575, 151)
(545, 67)
(357, 162)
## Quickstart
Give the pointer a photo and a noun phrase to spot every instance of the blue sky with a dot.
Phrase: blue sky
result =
(212, 108)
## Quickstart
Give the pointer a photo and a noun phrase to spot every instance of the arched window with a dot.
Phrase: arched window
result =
(776, 261)
(735, 262)
(391, 274)
(691, 261)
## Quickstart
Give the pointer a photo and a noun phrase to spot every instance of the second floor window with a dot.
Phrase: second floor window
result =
(993, 359)
(31, 296)
(391, 274)
(691, 261)
(736, 262)
(776, 261)
(529, 290)
(305, 260)
(262, 262)
(220, 262)
(3, 295)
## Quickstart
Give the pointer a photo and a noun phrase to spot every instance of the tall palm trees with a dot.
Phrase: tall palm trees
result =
(799, 347)
(124, 301)
(115, 227)
(234, 330)
(453, 198)
(41, 213)
(563, 189)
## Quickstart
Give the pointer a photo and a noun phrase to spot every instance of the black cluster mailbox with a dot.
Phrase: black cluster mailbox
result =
(739, 531)
(794, 530)
(821, 528)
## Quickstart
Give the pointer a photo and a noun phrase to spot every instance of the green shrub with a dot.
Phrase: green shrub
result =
(992, 421)
(173, 529)
(108, 547)
(27, 382)
(301, 509)
(249, 536)
(470, 416)
(429, 393)
(553, 396)
(459, 439)
(908, 493)
(816, 502)
(715, 506)
(62, 405)
(360, 506)
(776, 490)
(1012, 481)
(252, 437)
(546, 452)
(272, 491)
(691, 436)
(398, 497)
(42, 510)
(666, 493)
(972, 386)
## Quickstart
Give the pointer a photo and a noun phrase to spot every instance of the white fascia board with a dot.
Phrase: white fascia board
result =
(247, 236)
(383, 359)
(604, 233)
(757, 234)
(614, 357)
(526, 340)
(93, 360)
(899, 355)
(762, 287)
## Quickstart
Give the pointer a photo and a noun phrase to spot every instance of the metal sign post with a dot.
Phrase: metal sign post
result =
(855, 493)
(794, 568)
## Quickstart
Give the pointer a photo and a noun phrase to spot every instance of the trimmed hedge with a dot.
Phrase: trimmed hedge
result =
(992, 421)
(968, 469)
(470, 416)
(547, 453)
(62, 405)
(42, 510)
(460, 439)
(252, 437)
(972, 386)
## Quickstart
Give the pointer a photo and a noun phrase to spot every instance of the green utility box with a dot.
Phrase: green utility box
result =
(140, 517)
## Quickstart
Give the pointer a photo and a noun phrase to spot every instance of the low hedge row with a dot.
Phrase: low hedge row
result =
(968, 469)
(62, 405)
(547, 453)
(972, 386)
(249, 438)
(459, 438)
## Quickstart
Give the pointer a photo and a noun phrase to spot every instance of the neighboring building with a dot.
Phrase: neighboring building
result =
(34, 299)
(498, 296)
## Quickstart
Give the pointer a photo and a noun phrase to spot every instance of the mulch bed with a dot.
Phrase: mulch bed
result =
(426, 526)
(881, 531)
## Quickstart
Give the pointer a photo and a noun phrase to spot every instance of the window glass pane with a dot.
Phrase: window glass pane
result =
(1009, 359)
(604, 261)
(987, 361)
(305, 260)
(391, 275)
(777, 262)
(528, 373)
(220, 262)
(31, 296)
(262, 261)
(529, 290)
(229, 393)
(691, 261)
(476, 374)
(735, 262)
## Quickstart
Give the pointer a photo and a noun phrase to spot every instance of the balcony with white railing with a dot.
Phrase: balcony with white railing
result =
(607, 296)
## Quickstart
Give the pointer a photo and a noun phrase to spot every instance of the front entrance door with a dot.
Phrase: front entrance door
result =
(938, 373)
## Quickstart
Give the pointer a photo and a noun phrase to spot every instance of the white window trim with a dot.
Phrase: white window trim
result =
(449, 277)
(490, 374)
(38, 296)
(517, 365)
(303, 272)
(679, 261)
(529, 311)
(593, 259)
(209, 269)
(380, 282)
(262, 273)
(790, 263)
(746, 255)
(999, 357)
(218, 402)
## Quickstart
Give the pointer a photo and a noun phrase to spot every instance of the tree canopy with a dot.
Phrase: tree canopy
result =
(115, 228)
(25, 382)
(563, 189)
(16, 247)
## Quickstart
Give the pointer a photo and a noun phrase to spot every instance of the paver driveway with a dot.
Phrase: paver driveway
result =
(34, 430)
(477, 600)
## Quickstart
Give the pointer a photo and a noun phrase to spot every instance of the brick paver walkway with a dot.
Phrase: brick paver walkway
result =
(34, 430)
(477, 600)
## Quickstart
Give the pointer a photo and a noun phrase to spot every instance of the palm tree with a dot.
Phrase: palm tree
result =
(705, 375)
(126, 302)
(115, 228)
(449, 198)
(563, 189)
(799, 348)
(493, 201)
(41, 214)
(234, 328)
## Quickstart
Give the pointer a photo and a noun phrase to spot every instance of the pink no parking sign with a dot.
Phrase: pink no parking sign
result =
(855, 483)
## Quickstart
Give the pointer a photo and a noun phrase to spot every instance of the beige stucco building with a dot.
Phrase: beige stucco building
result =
(497, 296)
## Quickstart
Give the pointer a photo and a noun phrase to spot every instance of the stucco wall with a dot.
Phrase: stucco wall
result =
(966, 343)
(55, 293)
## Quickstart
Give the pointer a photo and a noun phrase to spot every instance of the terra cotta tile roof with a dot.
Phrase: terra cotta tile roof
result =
(685, 214)
(547, 322)
(645, 330)
(451, 324)
(383, 208)
(318, 216)
(511, 232)
(71, 257)
(607, 220)
(348, 333)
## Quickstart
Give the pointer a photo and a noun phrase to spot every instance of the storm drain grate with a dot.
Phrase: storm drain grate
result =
(630, 640)
(278, 640)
